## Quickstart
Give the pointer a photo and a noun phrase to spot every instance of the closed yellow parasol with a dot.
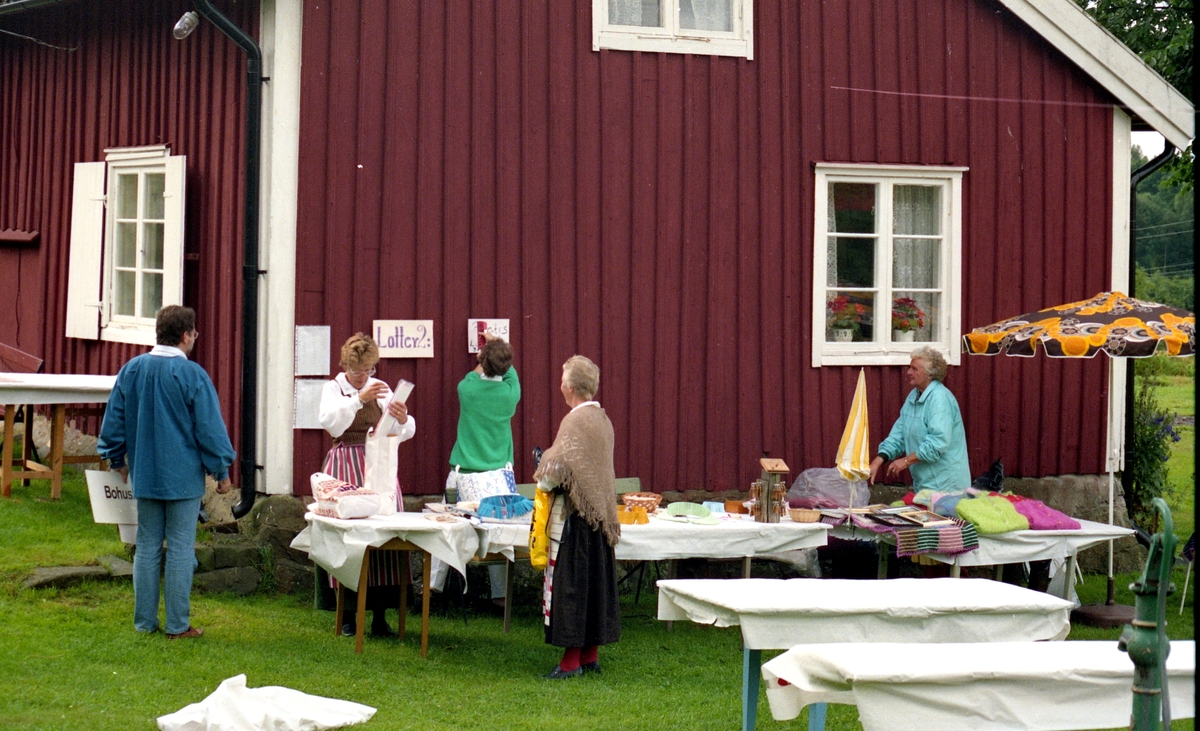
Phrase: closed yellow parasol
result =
(854, 455)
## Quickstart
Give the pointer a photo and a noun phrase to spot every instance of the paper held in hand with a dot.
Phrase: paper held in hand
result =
(387, 422)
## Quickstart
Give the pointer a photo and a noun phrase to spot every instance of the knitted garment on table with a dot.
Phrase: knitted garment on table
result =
(948, 540)
(991, 515)
(581, 463)
(1044, 517)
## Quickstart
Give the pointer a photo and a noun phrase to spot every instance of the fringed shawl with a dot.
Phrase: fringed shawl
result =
(581, 462)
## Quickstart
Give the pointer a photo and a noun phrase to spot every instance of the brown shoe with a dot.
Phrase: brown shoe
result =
(187, 634)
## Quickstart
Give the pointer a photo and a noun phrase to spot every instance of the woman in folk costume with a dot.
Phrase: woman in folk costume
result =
(580, 590)
(351, 404)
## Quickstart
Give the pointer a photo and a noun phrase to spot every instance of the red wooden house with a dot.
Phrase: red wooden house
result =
(675, 188)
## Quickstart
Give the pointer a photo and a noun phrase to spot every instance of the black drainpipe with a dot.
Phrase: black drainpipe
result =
(250, 270)
(1137, 177)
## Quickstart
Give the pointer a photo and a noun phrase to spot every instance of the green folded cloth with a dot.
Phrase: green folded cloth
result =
(992, 515)
(689, 513)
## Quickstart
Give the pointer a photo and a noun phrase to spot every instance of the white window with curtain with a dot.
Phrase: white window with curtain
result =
(126, 259)
(887, 263)
(704, 27)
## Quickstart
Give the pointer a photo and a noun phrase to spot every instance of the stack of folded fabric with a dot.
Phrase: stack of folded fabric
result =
(949, 540)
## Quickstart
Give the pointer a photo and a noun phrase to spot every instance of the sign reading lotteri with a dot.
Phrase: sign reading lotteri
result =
(404, 338)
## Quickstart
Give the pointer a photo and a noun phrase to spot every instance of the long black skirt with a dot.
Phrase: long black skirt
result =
(584, 609)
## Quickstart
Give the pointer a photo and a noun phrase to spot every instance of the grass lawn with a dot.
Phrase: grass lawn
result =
(1177, 394)
(74, 661)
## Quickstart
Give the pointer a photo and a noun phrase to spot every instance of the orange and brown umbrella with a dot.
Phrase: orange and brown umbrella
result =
(1110, 322)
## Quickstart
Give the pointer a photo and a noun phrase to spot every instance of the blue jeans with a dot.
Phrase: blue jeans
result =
(174, 521)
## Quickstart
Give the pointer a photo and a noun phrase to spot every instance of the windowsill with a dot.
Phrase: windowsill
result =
(132, 335)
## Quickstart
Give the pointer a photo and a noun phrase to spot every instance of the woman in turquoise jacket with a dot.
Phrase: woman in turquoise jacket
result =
(928, 439)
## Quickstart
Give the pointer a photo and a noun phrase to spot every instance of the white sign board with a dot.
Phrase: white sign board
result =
(404, 338)
(476, 328)
(112, 498)
(312, 350)
(306, 403)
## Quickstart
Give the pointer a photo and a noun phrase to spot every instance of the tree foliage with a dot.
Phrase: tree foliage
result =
(1160, 32)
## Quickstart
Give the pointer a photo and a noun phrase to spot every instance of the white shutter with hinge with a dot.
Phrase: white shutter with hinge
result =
(87, 238)
(173, 228)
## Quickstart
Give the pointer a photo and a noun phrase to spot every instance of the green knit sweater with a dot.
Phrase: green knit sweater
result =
(485, 412)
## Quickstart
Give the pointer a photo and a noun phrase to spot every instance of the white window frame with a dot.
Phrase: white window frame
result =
(90, 299)
(881, 351)
(673, 39)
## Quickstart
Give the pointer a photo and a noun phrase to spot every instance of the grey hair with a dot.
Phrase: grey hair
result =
(582, 376)
(935, 364)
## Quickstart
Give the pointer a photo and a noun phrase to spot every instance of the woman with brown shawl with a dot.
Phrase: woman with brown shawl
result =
(580, 590)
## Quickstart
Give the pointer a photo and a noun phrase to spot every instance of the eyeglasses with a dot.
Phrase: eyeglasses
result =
(354, 372)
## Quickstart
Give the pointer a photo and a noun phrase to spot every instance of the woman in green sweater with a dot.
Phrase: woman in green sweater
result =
(487, 401)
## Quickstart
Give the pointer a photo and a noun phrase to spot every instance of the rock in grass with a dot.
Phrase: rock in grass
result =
(117, 567)
(61, 576)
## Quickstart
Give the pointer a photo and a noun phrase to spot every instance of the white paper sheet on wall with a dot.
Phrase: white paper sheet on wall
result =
(307, 403)
(312, 350)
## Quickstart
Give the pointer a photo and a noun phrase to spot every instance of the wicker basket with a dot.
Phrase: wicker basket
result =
(804, 515)
(647, 500)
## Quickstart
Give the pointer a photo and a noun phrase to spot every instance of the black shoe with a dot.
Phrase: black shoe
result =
(383, 631)
(591, 667)
(348, 629)
(558, 673)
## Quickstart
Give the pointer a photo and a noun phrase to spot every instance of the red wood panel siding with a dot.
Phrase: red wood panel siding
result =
(126, 83)
(655, 212)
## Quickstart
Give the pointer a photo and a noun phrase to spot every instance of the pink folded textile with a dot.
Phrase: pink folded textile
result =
(1044, 517)
(339, 499)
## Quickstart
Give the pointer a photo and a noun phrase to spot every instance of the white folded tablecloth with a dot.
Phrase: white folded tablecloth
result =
(776, 614)
(1036, 686)
(234, 707)
(338, 546)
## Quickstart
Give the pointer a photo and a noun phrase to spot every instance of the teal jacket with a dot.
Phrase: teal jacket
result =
(485, 412)
(931, 427)
(164, 420)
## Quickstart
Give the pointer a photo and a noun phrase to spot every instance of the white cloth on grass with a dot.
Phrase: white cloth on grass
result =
(234, 707)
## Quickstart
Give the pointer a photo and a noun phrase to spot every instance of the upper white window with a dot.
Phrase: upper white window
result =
(705, 27)
(887, 263)
(126, 258)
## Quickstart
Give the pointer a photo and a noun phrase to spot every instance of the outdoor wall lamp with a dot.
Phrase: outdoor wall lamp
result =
(186, 25)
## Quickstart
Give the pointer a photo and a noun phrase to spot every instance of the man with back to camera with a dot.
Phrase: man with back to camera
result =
(163, 428)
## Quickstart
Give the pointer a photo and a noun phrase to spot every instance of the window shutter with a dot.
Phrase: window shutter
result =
(173, 228)
(87, 237)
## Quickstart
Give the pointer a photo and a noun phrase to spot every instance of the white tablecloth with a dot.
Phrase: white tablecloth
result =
(1015, 546)
(777, 614)
(338, 546)
(1038, 686)
(54, 388)
(660, 540)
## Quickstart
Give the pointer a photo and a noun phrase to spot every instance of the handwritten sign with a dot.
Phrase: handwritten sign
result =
(476, 328)
(404, 338)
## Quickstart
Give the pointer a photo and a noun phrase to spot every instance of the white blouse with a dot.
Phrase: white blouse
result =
(340, 404)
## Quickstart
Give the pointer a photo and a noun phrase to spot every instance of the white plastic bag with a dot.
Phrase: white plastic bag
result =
(824, 487)
(234, 707)
(338, 499)
(382, 460)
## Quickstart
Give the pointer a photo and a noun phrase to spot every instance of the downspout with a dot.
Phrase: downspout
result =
(1137, 177)
(250, 270)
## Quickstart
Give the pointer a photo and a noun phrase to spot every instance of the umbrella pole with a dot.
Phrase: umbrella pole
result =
(1112, 590)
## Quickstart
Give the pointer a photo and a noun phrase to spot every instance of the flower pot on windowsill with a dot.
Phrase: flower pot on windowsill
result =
(904, 336)
(843, 334)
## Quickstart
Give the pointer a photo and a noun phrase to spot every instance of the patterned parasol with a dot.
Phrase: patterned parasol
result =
(1110, 322)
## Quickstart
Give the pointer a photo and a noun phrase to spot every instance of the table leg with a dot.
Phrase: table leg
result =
(955, 570)
(426, 560)
(816, 717)
(404, 597)
(671, 570)
(58, 424)
(10, 415)
(751, 673)
(999, 572)
(508, 592)
(881, 568)
(1069, 579)
(745, 567)
(338, 612)
(27, 450)
(361, 612)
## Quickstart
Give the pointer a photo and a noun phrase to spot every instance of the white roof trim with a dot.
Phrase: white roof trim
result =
(1110, 62)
